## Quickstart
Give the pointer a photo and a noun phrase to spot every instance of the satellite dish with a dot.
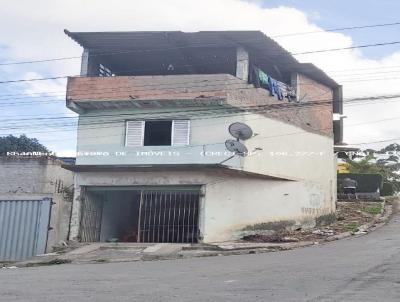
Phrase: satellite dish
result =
(240, 131)
(236, 147)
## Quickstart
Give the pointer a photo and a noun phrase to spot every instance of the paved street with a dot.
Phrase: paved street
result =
(357, 269)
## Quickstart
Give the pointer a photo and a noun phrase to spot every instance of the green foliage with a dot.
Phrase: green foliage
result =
(389, 168)
(387, 189)
(373, 210)
(351, 227)
(22, 143)
(364, 166)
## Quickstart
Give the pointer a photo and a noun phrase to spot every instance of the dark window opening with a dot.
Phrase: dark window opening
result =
(138, 215)
(207, 60)
(157, 133)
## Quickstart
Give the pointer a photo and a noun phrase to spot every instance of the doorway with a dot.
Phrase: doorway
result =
(149, 215)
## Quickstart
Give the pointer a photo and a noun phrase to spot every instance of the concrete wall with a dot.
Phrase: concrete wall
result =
(32, 175)
(232, 206)
(38, 178)
(20, 175)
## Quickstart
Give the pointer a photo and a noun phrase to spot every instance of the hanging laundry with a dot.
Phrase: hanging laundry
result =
(263, 78)
(274, 89)
(254, 77)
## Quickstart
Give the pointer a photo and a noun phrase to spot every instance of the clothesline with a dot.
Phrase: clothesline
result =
(275, 87)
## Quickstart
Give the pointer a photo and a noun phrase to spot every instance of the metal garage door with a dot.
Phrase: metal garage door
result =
(23, 228)
(92, 208)
(169, 216)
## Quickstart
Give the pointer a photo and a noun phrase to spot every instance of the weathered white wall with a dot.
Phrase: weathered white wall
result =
(287, 150)
(237, 203)
(207, 136)
(231, 202)
(293, 153)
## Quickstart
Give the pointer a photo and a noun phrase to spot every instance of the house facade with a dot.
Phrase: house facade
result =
(154, 161)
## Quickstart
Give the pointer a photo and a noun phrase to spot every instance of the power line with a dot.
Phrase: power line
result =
(192, 115)
(299, 53)
(343, 77)
(62, 93)
(366, 68)
(380, 141)
(195, 113)
(32, 80)
(116, 88)
(206, 82)
(350, 75)
(346, 48)
(99, 95)
(262, 137)
(336, 29)
(191, 46)
(370, 79)
(285, 105)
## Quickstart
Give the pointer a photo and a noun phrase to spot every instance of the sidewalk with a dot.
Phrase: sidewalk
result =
(128, 252)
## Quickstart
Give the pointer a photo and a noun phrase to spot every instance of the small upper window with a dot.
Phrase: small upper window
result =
(157, 133)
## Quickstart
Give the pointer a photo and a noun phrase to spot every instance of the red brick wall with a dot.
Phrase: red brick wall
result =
(308, 113)
(319, 115)
(150, 87)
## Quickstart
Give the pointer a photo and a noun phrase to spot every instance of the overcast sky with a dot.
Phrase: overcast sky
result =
(32, 30)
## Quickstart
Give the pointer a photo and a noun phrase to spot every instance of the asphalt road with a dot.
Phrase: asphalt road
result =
(364, 269)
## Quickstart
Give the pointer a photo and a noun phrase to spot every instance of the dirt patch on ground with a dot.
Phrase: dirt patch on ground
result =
(350, 215)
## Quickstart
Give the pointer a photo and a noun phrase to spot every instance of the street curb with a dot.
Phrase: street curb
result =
(378, 221)
(211, 250)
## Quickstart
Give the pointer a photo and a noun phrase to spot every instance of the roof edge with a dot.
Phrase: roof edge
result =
(141, 168)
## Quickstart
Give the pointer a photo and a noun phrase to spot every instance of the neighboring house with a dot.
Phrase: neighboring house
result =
(35, 205)
(154, 111)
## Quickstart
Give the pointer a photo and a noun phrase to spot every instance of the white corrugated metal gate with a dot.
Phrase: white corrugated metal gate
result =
(24, 226)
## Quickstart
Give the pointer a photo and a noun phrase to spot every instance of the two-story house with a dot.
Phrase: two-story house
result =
(156, 161)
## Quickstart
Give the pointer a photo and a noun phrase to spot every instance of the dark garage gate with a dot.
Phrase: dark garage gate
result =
(133, 214)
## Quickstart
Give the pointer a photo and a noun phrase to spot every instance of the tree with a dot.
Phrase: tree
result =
(22, 143)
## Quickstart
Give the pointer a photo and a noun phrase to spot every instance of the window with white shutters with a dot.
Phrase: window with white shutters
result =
(180, 132)
(134, 133)
(157, 133)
